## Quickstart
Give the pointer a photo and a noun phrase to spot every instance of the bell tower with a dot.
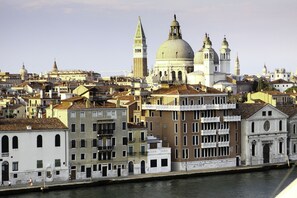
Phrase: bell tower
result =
(139, 52)
(225, 57)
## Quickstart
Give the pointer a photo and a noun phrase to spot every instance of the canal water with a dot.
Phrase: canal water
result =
(254, 185)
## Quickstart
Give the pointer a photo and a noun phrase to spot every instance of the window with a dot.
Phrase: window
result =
(280, 125)
(73, 157)
(125, 141)
(95, 167)
(82, 156)
(185, 153)
(175, 127)
(57, 172)
(185, 127)
(263, 113)
(174, 115)
(113, 142)
(57, 140)
(39, 164)
(73, 114)
(73, 143)
(72, 127)
(39, 141)
(176, 153)
(94, 142)
(176, 139)
(280, 147)
(82, 169)
(82, 143)
(82, 114)
(124, 153)
(82, 127)
(183, 115)
(185, 140)
(94, 127)
(253, 127)
(195, 127)
(269, 113)
(39, 174)
(94, 155)
(153, 163)
(164, 162)
(195, 140)
(113, 154)
(94, 114)
(15, 142)
(57, 163)
(253, 149)
(15, 166)
(196, 152)
(124, 125)
(151, 126)
(294, 128)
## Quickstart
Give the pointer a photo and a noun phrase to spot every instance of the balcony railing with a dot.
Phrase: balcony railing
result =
(132, 140)
(223, 144)
(142, 139)
(187, 107)
(143, 153)
(210, 119)
(223, 131)
(131, 153)
(209, 145)
(232, 118)
(208, 132)
(105, 132)
(105, 148)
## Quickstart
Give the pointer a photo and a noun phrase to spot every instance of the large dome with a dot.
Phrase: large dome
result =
(175, 49)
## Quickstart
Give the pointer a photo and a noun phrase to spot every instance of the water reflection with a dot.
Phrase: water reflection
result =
(258, 184)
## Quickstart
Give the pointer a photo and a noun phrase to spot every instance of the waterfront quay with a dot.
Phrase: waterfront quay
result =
(52, 186)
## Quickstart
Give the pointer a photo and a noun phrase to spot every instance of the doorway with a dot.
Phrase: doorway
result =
(142, 167)
(5, 171)
(119, 172)
(89, 172)
(266, 153)
(104, 171)
(131, 167)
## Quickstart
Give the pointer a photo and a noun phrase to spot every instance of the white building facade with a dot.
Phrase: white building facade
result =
(34, 149)
(263, 134)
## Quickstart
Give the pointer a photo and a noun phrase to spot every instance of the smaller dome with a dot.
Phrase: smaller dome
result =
(23, 70)
(225, 43)
(174, 22)
(199, 57)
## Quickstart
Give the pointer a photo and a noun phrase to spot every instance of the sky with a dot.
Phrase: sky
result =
(97, 35)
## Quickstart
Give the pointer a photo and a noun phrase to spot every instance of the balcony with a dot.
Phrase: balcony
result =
(223, 144)
(105, 132)
(208, 132)
(131, 140)
(210, 119)
(131, 153)
(223, 131)
(209, 145)
(143, 153)
(142, 139)
(5, 154)
(188, 107)
(232, 118)
(105, 148)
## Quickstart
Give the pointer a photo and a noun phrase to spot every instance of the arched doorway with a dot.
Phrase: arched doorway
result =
(173, 76)
(131, 167)
(5, 171)
(142, 167)
(266, 153)
(180, 76)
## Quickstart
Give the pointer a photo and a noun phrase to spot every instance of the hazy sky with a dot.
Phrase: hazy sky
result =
(98, 35)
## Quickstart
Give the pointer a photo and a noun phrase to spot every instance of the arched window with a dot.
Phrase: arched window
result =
(15, 142)
(4, 143)
(57, 140)
(160, 73)
(294, 128)
(280, 125)
(254, 148)
(39, 141)
(253, 127)
(173, 76)
(180, 76)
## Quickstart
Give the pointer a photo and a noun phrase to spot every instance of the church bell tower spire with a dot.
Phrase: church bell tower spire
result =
(139, 52)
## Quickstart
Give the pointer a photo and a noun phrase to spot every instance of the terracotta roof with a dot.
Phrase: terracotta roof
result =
(186, 90)
(247, 110)
(290, 110)
(36, 124)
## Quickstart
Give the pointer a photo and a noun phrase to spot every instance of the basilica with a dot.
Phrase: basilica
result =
(177, 63)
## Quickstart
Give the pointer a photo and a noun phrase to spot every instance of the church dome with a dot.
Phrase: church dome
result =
(176, 49)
